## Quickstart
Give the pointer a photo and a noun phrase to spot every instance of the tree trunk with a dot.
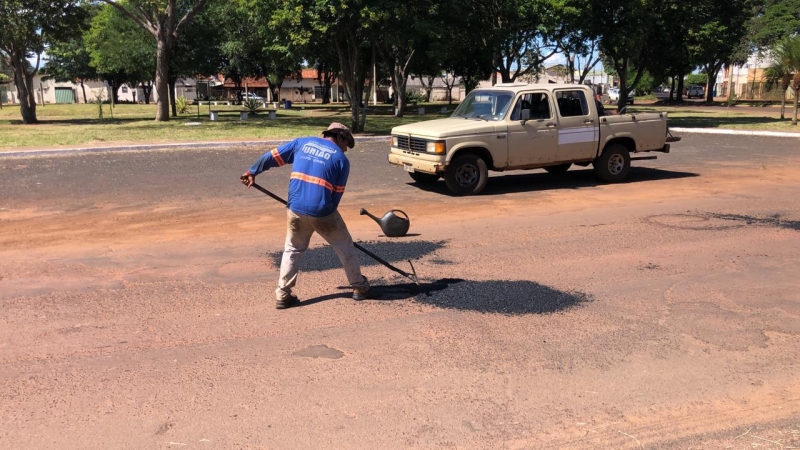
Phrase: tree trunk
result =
(794, 115)
(348, 48)
(162, 76)
(672, 90)
(27, 97)
(83, 88)
(680, 87)
(172, 98)
(147, 89)
(783, 102)
(711, 79)
(623, 82)
(114, 97)
(401, 99)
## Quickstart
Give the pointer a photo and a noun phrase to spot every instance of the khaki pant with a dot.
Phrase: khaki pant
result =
(298, 235)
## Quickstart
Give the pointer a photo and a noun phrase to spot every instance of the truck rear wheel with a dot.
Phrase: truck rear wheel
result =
(466, 175)
(561, 168)
(614, 164)
(424, 178)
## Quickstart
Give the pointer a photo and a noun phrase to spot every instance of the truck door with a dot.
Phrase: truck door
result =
(578, 129)
(533, 141)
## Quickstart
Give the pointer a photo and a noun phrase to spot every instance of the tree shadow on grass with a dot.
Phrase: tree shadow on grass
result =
(506, 297)
(722, 121)
(324, 258)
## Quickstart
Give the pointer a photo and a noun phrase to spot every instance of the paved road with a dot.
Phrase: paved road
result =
(137, 307)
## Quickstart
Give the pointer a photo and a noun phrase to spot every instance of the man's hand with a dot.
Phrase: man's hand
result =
(247, 179)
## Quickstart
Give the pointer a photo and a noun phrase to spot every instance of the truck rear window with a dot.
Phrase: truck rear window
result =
(572, 103)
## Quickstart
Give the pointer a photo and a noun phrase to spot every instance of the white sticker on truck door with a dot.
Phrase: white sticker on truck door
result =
(577, 135)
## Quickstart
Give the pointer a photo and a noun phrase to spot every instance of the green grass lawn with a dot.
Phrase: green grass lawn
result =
(735, 117)
(75, 125)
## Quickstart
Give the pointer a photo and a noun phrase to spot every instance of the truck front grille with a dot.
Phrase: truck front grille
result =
(411, 143)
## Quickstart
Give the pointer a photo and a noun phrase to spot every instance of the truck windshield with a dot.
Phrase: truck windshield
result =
(486, 105)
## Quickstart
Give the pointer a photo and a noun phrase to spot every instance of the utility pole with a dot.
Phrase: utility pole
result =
(374, 81)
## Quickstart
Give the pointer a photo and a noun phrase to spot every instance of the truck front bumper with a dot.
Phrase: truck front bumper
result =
(417, 162)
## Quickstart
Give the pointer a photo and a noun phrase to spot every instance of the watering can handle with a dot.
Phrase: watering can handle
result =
(401, 212)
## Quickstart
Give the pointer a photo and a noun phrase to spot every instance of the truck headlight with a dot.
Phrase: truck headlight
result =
(394, 141)
(437, 147)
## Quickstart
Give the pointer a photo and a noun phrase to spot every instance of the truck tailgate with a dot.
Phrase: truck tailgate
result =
(648, 130)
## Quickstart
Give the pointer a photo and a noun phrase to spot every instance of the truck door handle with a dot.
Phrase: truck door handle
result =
(588, 121)
(550, 124)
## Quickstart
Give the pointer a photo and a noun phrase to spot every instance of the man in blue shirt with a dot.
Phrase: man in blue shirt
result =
(319, 175)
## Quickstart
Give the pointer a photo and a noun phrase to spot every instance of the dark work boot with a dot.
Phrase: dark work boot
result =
(362, 295)
(363, 291)
(287, 302)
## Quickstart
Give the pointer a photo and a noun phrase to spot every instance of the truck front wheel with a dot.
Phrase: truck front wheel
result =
(466, 175)
(614, 164)
(424, 178)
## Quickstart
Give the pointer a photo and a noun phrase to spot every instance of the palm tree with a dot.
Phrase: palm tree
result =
(785, 70)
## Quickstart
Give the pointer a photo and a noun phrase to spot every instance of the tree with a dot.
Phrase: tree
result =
(577, 41)
(718, 28)
(345, 25)
(195, 52)
(165, 20)
(465, 47)
(28, 27)
(120, 51)
(70, 61)
(773, 21)
(785, 69)
(402, 32)
(522, 35)
(666, 54)
(623, 49)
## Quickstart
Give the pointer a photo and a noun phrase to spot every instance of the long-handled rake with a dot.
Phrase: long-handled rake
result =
(411, 276)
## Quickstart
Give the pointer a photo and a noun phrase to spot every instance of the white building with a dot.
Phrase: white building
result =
(49, 91)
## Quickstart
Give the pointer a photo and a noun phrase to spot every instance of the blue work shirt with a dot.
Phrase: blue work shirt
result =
(319, 174)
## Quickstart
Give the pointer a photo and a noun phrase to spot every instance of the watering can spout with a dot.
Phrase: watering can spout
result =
(392, 224)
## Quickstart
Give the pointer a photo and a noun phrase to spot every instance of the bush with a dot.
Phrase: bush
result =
(414, 97)
(251, 105)
(182, 104)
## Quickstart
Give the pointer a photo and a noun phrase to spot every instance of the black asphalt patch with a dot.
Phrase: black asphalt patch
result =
(324, 258)
(718, 221)
(509, 297)
(774, 220)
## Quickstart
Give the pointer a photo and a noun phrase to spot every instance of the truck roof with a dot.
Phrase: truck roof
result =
(517, 86)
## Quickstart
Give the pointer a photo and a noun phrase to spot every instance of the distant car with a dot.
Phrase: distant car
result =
(613, 95)
(252, 96)
(696, 92)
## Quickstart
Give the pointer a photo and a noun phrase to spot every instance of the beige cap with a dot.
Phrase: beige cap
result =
(342, 130)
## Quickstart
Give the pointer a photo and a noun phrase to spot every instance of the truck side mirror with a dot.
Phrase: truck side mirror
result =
(525, 115)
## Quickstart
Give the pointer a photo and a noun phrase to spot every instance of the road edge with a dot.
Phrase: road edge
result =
(160, 146)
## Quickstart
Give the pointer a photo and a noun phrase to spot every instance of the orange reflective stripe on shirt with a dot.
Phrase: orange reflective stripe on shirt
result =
(316, 180)
(277, 157)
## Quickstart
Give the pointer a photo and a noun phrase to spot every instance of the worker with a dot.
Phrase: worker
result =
(319, 174)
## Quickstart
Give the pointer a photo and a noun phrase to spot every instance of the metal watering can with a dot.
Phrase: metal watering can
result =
(391, 224)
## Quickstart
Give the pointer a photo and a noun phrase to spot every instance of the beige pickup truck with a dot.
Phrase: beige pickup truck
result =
(525, 126)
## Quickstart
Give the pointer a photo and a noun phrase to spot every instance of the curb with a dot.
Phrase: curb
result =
(735, 132)
(164, 146)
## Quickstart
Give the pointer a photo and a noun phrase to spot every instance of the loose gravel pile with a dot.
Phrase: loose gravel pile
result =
(324, 258)
(493, 296)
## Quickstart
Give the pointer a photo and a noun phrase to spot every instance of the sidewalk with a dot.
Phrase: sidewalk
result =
(735, 132)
